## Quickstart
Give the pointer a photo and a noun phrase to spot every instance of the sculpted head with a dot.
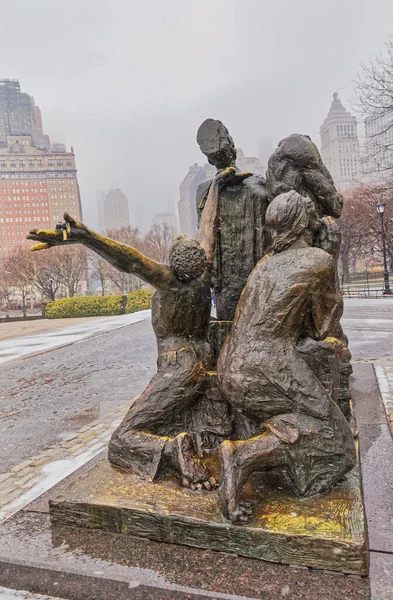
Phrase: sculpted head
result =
(187, 258)
(216, 144)
(289, 217)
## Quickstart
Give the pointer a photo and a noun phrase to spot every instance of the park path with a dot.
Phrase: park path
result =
(36, 343)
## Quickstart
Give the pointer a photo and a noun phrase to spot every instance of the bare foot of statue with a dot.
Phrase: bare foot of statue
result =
(232, 508)
(241, 458)
(193, 472)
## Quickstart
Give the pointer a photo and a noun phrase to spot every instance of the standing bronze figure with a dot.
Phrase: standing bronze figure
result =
(241, 215)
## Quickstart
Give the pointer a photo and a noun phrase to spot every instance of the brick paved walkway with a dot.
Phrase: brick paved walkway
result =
(28, 480)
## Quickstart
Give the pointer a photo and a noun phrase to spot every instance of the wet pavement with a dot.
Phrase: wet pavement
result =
(368, 324)
(21, 347)
(72, 391)
(45, 397)
(14, 328)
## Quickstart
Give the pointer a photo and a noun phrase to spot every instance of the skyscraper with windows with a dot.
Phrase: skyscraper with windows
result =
(113, 210)
(36, 187)
(19, 114)
(340, 145)
(378, 147)
(188, 217)
(166, 218)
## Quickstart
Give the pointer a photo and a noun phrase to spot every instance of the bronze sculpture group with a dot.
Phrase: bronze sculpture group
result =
(270, 402)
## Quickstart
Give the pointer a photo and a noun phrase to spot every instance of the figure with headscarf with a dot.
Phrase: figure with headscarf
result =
(296, 164)
(290, 294)
(151, 438)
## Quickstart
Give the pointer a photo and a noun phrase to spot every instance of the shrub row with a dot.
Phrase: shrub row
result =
(97, 306)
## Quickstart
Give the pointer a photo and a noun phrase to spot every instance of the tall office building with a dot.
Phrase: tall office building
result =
(378, 148)
(340, 146)
(187, 203)
(166, 218)
(113, 210)
(19, 115)
(36, 187)
(248, 163)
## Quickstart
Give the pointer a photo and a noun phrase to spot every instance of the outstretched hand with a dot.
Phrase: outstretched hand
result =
(230, 176)
(68, 232)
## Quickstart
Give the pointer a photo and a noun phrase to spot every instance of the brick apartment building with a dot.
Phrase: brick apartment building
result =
(37, 186)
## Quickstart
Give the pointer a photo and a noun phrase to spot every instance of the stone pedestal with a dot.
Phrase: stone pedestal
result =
(327, 532)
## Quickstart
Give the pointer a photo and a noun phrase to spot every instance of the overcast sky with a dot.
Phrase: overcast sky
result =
(127, 83)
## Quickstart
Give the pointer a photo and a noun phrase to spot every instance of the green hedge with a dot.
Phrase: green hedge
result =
(96, 306)
(139, 300)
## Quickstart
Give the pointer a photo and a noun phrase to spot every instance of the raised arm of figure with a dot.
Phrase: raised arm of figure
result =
(123, 257)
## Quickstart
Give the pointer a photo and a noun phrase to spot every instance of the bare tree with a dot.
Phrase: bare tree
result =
(5, 286)
(374, 100)
(124, 281)
(47, 275)
(72, 267)
(20, 270)
(100, 269)
(158, 242)
(361, 228)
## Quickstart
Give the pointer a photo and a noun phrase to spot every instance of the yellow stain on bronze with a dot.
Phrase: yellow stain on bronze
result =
(36, 247)
(327, 517)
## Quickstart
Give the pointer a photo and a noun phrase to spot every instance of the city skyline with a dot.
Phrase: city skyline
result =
(133, 122)
(340, 149)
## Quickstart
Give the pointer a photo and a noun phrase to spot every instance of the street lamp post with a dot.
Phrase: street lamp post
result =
(386, 286)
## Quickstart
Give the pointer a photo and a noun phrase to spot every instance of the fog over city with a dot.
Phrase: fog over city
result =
(128, 83)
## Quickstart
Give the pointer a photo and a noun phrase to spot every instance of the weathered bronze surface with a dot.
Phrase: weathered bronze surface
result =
(326, 532)
(267, 423)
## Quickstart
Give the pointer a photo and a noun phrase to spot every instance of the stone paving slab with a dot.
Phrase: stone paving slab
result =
(381, 576)
(384, 372)
(79, 564)
(364, 386)
(376, 452)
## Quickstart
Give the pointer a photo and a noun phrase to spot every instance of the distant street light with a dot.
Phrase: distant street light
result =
(386, 286)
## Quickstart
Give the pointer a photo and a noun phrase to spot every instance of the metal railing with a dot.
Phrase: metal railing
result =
(26, 313)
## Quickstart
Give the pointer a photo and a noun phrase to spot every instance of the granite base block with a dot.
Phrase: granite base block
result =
(327, 532)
